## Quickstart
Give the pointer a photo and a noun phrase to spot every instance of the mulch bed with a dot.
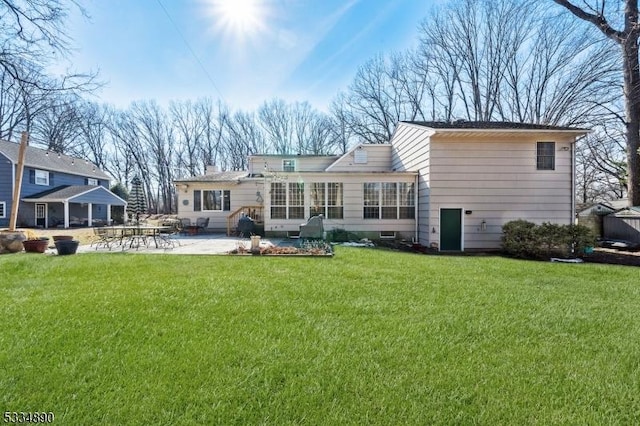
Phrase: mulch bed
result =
(599, 255)
(614, 257)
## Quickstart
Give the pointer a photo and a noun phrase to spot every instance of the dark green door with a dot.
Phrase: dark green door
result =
(451, 229)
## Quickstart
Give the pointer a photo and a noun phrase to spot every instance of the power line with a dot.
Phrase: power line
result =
(193, 53)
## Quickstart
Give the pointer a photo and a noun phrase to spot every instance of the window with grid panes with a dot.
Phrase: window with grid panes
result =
(296, 200)
(406, 201)
(546, 155)
(326, 199)
(371, 193)
(278, 200)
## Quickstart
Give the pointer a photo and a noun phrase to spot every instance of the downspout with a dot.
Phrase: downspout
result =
(416, 238)
(572, 219)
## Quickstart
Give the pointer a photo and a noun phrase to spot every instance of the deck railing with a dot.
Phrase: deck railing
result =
(254, 212)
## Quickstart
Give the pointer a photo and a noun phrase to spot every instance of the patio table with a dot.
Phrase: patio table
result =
(131, 235)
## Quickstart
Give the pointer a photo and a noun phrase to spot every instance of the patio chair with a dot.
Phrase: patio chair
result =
(313, 229)
(185, 224)
(166, 236)
(103, 238)
(202, 223)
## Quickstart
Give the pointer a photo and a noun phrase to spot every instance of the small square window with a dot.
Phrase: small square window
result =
(546, 155)
(92, 182)
(288, 165)
(3, 209)
(42, 177)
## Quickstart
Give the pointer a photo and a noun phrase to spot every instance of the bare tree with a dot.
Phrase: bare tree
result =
(627, 38)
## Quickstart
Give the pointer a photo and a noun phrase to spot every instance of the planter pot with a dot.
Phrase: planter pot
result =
(62, 237)
(66, 247)
(36, 246)
(11, 241)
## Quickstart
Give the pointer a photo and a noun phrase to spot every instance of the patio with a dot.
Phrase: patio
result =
(186, 244)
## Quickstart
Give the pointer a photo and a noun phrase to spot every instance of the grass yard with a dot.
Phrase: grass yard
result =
(368, 337)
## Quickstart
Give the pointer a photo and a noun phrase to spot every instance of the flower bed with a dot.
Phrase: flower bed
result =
(306, 248)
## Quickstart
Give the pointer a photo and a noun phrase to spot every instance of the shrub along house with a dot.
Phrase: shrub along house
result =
(57, 190)
(449, 186)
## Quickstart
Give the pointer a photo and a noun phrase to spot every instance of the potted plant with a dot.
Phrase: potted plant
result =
(62, 237)
(66, 247)
(34, 243)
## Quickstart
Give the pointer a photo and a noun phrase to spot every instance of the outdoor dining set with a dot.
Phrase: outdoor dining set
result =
(137, 235)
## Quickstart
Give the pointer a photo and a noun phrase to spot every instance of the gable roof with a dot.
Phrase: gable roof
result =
(233, 176)
(39, 158)
(490, 125)
(70, 193)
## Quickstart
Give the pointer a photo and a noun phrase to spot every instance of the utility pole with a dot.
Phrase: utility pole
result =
(24, 141)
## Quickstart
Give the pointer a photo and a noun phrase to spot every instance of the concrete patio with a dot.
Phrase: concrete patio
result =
(196, 244)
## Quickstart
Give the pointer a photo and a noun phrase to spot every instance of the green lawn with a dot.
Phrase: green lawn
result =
(368, 337)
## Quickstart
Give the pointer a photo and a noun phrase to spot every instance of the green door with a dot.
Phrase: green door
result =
(451, 229)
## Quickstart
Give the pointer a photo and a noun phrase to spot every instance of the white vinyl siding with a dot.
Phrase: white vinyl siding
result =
(495, 181)
(364, 158)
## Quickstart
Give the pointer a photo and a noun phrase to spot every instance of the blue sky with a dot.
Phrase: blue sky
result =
(297, 50)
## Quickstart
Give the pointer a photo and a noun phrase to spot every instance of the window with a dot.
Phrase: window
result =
(278, 200)
(42, 177)
(287, 200)
(546, 155)
(3, 209)
(212, 200)
(371, 200)
(288, 165)
(406, 201)
(326, 199)
(92, 181)
(389, 200)
(296, 200)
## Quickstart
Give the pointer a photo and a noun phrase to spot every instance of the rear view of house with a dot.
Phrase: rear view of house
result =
(450, 186)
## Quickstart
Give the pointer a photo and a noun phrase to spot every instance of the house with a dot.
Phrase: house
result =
(450, 186)
(57, 190)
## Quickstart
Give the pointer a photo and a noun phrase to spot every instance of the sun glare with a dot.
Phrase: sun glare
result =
(240, 18)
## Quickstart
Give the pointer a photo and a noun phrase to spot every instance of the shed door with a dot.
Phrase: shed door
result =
(451, 229)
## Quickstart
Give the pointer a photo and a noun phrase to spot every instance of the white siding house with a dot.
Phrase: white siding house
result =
(450, 186)
(475, 177)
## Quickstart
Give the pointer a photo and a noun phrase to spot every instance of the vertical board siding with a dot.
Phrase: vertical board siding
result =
(622, 228)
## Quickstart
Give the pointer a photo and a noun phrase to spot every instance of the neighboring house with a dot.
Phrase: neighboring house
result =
(450, 186)
(57, 190)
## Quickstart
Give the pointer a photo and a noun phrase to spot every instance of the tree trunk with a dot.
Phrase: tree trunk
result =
(632, 101)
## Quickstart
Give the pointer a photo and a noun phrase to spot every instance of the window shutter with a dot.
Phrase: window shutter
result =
(32, 176)
(86, 181)
(197, 201)
(51, 179)
(226, 200)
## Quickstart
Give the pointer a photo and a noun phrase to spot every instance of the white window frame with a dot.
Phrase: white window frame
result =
(289, 201)
(41, 177)
(92, 182)
(3, 209)
(324, 207)
(221, 198)
(541, 157)
(289, 165)
(380, 202)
